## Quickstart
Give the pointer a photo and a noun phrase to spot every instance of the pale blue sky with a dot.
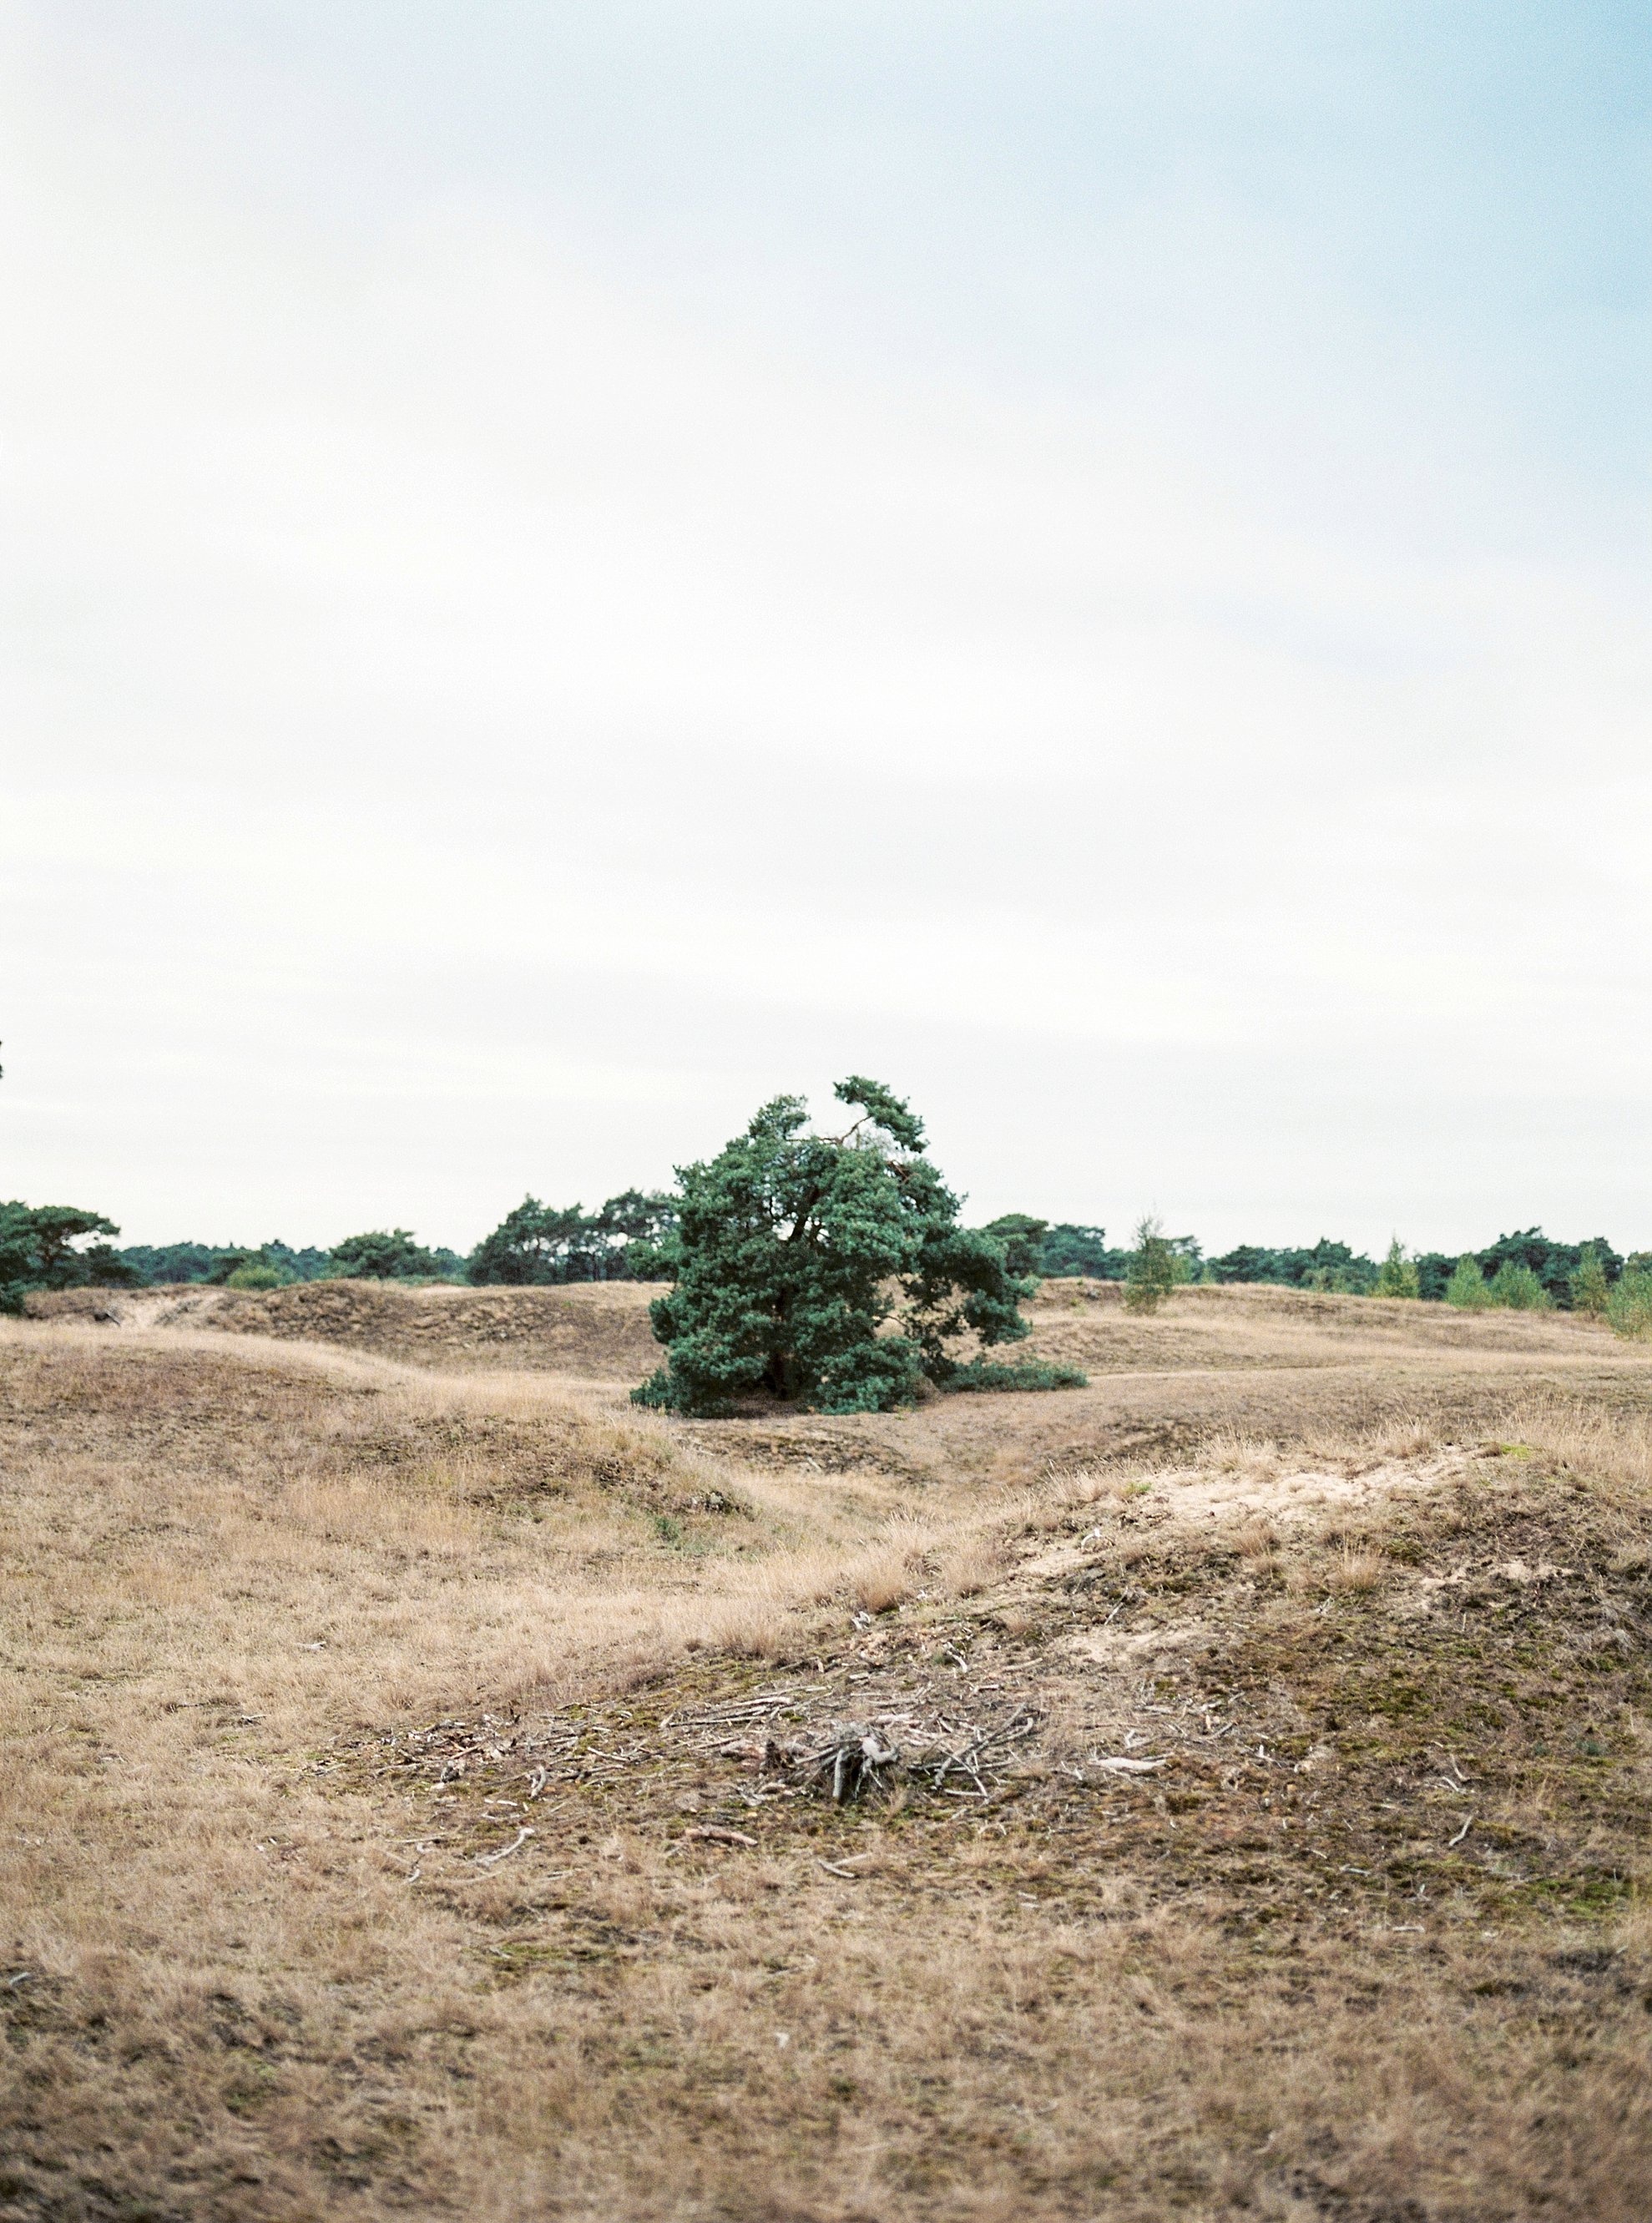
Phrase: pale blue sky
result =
(566, 569)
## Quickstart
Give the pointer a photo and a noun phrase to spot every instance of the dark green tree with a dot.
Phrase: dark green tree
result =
(209, 1261)
(384, 1254)
(1435, 1270)
(831, 1271)
(1328, 1265)
(636, 1230)
(1021, 1238)
(38, 1251)
(532, 1245)
(1071, 1250)
(1554, 1263)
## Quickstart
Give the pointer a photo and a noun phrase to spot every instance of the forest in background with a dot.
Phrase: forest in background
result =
(629, 1238)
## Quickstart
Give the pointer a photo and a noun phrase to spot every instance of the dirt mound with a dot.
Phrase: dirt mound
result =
(600, 1331)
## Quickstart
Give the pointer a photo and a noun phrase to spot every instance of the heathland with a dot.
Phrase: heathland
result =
(418, 1769)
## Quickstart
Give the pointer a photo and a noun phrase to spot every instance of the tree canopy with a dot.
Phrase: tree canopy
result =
(217, 1262)
(38, 1251)
(389, 1253)
(830, 1269)
(628, 1239)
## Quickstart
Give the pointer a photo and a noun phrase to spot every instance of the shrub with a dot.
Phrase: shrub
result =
(829, 1269)
(1468, 1287)
(1398, 1275)
(254, 1274)
(1026, 1374)
(1629, 1306)
(1519, 1287)
(1153, 1268)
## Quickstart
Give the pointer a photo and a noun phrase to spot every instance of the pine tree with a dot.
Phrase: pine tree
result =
(1153, 1268)
(1589, 1287)
(830, 1271)
(1468, 1286)
(383, 1254)
(37, 1252)
(1519, 1287)
(1398, 1275)
(1629, 1307)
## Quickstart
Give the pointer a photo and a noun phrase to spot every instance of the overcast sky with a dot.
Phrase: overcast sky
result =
(570, 568)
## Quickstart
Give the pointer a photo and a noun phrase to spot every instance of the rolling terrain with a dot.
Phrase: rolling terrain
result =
(419, 1771)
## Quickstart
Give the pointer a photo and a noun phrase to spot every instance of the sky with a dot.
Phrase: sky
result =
(565, 570)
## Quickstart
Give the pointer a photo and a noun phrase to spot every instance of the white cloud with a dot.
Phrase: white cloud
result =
(402, 609)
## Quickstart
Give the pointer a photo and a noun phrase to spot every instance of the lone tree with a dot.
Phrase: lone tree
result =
(1398, 1275)
(1153, 1268)
(1590, 1291)
(796, 1252)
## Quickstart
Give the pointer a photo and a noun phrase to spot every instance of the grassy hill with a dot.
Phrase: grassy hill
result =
(419, 1770)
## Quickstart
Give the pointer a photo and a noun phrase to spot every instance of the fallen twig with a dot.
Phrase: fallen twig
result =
(492, 1860)
(856, 1758)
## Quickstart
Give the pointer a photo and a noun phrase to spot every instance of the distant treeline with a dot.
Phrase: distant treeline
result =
(1061, 1248)
(534, 1245)
(47, 1247)
(630, 1238)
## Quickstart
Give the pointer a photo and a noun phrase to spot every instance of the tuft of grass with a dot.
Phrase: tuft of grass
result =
(1355, 1571)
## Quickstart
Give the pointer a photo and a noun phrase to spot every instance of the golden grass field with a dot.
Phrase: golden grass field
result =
(409, 1807)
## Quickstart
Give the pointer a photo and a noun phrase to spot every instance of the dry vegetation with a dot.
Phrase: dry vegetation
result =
(410, 1804)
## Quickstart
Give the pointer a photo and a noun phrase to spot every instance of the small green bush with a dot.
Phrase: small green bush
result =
(253, 1275)
(1518, 1288)
(1468, 1287)
(1025, 1374)
(1628, 1305)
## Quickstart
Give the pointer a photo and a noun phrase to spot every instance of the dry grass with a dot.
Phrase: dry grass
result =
(296, 1643)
